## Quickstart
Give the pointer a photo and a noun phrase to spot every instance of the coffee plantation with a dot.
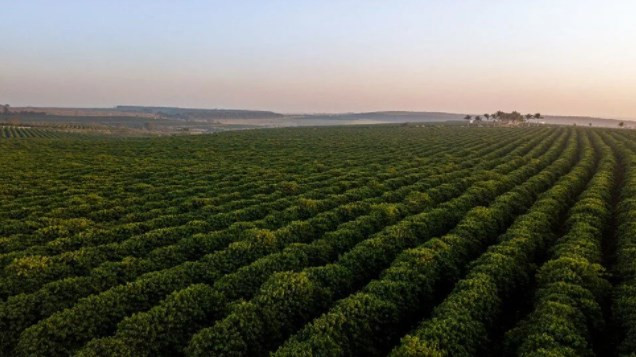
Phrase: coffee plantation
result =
(399, 240)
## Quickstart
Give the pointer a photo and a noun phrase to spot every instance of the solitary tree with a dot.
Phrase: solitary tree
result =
(487, 116)
(621, 124)
(478, 118)
(529, 116)
(537, 116)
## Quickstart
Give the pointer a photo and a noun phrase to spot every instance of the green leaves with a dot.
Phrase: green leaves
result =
(307, 241)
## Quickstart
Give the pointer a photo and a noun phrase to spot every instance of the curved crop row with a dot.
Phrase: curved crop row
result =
(16, 279)
(87, 209)
(228, 193)
(225, 198)
(460, 325)
(22, 310)
(90, 318)
(174, 207)
(289, 299)
(571, 286)
(9, 131)
(146, 332)
(58, 267)
(624, 295)
(20, 203)
(369, 321)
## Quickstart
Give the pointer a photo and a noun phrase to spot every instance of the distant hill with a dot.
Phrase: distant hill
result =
(585, 121)
(388, 116)
(209, 120)
(406, 116)
(195, 113)
(153, 112)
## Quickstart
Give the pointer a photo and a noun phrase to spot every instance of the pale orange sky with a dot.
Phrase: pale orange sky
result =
(557, 57)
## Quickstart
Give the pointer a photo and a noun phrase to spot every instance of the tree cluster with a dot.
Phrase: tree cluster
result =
(499, 116)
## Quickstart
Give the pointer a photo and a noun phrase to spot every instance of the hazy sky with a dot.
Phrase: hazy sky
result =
(552, 56)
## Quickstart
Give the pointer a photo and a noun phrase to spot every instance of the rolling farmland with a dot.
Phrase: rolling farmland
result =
(391, 240)
(14, 131)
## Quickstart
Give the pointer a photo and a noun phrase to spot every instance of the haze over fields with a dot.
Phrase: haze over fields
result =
(419, 178)
(561, 57)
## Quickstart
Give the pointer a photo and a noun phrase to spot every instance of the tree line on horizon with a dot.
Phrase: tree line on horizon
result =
(501, 116)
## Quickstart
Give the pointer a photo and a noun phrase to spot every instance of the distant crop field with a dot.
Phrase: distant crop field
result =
(16, 131)
(338, 241)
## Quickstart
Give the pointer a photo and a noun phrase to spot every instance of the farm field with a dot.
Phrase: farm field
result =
(13, 131)
(395, 240)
